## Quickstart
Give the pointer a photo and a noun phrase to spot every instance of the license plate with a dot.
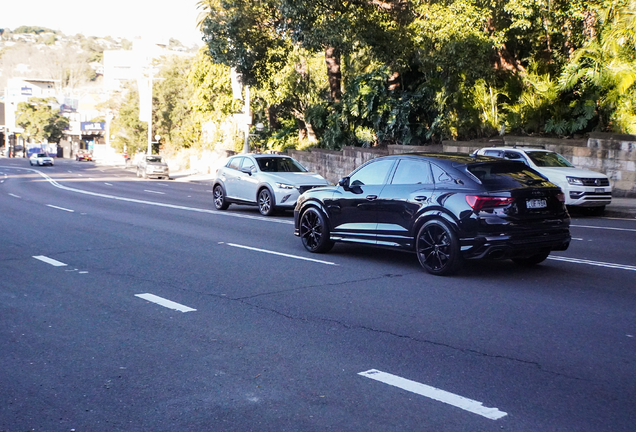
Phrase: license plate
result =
(599, 190)
(536, 203)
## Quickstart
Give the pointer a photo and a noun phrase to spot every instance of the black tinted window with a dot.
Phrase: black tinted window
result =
(505, 175)
(235, 163)
(496, 153)
(548, 159)
(374, 173)
(247, 163)
(439, 175)
(280, 164)
(412, 172)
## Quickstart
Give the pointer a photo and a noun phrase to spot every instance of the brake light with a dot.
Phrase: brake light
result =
(481, 202)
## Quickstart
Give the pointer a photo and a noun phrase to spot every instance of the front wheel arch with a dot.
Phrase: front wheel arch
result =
(438, 248)
(268, 206)
(314, 230)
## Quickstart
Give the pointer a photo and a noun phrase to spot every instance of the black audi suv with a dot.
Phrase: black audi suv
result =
(446, 207)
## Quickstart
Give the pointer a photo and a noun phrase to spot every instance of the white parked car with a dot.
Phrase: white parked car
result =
(582, 187)
(40, 159)
(269, 181)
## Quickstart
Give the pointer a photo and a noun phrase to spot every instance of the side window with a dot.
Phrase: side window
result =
(440, 176)
(374, 173)
(412, 172)
(512, 155)
(496, 153)
(247, 163)
(235, 163)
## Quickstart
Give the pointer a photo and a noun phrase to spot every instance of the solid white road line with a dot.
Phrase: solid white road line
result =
(15, 196)
(165, 303)
(108, 184)
(51, 261)
(466, 404)
(593, 263)
(281, 254)
(60, 208)
(604, 228)
(155, 192)
(158, 204)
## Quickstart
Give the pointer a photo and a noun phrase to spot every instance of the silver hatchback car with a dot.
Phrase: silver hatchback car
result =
(153, 166)
(269, 181)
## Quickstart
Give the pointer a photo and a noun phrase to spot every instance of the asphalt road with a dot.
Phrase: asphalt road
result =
(133, 305)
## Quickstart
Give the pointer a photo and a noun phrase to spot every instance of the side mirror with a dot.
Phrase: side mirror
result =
(247, 170)
(344, 182)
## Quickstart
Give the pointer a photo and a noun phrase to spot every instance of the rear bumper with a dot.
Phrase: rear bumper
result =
(515, 245)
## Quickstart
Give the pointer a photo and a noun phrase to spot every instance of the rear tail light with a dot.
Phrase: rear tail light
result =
(483, 202)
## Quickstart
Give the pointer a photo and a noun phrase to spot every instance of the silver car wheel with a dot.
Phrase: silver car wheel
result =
(265, 202)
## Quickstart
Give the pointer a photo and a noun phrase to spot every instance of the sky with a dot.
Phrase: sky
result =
(158, 20)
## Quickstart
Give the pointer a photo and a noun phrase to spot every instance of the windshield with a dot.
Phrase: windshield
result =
(279, 165)
(41, 155)
(548, 159)
(153, 158)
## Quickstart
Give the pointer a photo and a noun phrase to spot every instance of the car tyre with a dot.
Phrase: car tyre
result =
(532, 260)
(437, 248)
(220, 202)
(314, 231)
(265, 202)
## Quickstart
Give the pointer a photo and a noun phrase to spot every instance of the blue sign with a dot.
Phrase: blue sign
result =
(26, 91)
(90, 126)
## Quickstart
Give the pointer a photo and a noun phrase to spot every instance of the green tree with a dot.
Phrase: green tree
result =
(130, 133)
(40, 120)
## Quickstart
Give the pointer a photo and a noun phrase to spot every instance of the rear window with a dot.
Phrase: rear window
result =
(495, 176)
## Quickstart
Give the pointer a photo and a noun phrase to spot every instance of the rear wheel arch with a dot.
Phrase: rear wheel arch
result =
(430, 215)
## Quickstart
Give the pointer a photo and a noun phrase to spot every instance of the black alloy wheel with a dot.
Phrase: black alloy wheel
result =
(265, 202)
(314, 232)
(437, 248)
(219, 198)
(532, 259)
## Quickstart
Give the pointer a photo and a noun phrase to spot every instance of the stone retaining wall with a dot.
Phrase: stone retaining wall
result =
(614, 155)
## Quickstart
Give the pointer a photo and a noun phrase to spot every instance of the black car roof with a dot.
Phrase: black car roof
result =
(455, 158)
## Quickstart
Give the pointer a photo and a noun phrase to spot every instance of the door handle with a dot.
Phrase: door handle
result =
(371, 197)
(420, 198)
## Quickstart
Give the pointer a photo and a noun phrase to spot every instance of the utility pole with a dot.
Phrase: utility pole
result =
(248, 120)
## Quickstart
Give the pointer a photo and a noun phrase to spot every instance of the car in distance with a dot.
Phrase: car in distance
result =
(582, 188)
(446, 207)
(83, 155)
(268, 181)
(40, 159)
(150, 166)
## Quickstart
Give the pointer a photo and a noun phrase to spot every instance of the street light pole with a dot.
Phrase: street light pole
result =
(150, 77)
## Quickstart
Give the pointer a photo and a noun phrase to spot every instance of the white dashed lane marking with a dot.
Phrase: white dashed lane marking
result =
(165, 303)
(60, 208)
(592, 263)
(280, 254)
(51, 261)
(466, 404)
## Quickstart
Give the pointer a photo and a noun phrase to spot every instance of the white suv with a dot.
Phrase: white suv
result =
(582, 188)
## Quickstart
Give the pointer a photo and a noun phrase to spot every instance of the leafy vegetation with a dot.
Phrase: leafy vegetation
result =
(374, 72)
(41, 120)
